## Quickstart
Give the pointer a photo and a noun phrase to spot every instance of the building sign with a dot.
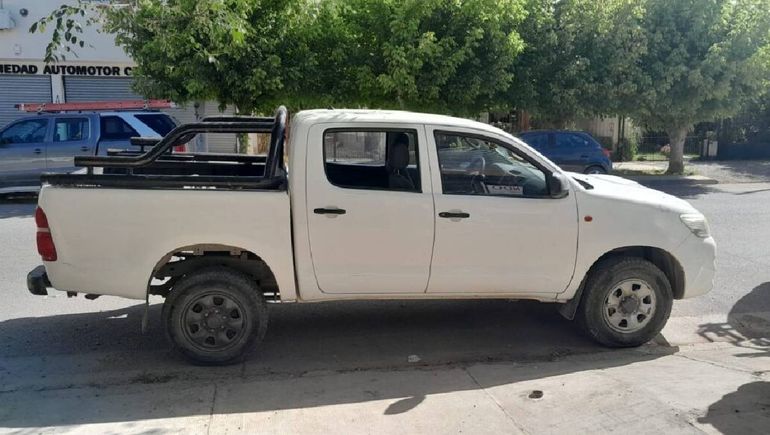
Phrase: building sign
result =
(68, 70)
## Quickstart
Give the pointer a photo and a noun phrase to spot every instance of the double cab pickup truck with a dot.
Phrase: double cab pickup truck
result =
(364, 205)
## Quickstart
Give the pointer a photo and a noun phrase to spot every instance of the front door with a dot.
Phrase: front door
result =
(22, 153)
(370, 208)
(497, 228)
(71, 137)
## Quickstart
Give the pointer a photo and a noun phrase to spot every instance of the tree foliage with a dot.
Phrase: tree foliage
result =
(666, 64)
(703, 60)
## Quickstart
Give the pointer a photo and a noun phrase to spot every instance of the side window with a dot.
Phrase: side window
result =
(115, 128)
(536, 140)
(31, 131)
(384, 160)
(71, 129)
(160, 123)
(571, 141)
(471, 165)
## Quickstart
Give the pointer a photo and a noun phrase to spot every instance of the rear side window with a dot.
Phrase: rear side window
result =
(71, 129)
(162, 124)
(384, 160)
(570, 140)
(115, 128)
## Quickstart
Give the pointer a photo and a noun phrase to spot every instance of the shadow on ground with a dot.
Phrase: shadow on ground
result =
(746, 326)
(734, 170)
(67, 364)
(746, 410)
(681, 190)
(17, 206)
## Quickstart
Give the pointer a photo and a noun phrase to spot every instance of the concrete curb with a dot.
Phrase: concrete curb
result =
(681, 179)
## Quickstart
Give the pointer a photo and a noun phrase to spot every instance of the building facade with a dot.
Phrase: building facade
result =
(100, 71)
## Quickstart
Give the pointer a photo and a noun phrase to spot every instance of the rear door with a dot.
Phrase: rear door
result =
(574, 149)
(72, 136)
(370, 208)
(22, 152)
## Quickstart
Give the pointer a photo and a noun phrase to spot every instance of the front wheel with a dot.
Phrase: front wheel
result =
(626, 302)
(214, 316)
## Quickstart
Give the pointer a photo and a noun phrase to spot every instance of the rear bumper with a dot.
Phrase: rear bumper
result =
(37, 281)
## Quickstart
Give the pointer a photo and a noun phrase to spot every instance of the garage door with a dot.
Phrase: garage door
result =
(15, 89)
(79, 89)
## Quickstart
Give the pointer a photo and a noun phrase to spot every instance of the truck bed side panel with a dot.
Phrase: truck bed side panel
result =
(109, 240)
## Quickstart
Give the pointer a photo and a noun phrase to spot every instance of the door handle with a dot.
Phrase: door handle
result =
(37, 151)
(329, 210)
(454, 215)
(84, 148)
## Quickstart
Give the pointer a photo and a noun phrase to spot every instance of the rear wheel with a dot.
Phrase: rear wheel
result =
(214, 316)
(626, 302)
(595, 170)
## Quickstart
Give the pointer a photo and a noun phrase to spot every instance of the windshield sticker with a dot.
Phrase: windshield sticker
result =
(505, 190)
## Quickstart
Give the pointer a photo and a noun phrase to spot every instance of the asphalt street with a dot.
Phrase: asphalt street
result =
(57, 344)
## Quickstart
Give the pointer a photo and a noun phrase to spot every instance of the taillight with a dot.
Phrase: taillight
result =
(606, 152)
(180, 149)
(45, 246)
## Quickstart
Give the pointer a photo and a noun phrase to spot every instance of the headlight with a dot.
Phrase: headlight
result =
(697, 223)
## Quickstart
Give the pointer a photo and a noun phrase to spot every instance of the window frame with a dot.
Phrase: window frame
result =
(412, 131)
(67, 118)
(510, 147)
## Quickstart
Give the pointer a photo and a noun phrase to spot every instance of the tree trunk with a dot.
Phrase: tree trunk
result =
(676, 137)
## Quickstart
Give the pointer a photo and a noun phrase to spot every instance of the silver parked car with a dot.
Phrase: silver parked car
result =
(42, 143)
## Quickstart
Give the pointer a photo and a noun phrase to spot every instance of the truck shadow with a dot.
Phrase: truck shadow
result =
(96, 367)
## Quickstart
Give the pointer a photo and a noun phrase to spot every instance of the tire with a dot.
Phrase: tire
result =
(212, 317)
(595, 169)
(625, 288)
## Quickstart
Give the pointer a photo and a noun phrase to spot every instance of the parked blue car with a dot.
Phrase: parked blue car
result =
(575, 151)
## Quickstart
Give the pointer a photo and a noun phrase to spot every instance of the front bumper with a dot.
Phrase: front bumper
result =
(698, 259)
(37, 281)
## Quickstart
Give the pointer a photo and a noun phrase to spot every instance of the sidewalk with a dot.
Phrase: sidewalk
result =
(719, 381)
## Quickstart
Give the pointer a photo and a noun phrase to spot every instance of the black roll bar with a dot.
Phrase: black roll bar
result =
(184, 133)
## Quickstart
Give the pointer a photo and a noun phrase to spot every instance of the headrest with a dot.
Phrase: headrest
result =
(398, 153)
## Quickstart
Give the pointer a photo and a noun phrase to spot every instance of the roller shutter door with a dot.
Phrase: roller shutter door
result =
(15, 89)
(79, 89)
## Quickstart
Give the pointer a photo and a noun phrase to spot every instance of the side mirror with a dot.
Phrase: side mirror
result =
(557, 185)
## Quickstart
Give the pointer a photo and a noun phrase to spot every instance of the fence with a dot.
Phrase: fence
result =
(657, 148)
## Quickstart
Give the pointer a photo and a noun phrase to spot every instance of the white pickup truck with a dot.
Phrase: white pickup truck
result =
(364, 204)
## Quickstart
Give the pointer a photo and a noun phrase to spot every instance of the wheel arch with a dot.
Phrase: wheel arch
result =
(664, 260)
(184, 260)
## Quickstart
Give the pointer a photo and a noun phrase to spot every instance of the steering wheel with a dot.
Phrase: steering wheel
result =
(477, 169)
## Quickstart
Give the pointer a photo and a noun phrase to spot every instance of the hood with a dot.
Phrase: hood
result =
(623, 189)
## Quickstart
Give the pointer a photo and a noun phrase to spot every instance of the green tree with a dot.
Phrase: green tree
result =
(703, 60)
(448, 56)
(577, 58)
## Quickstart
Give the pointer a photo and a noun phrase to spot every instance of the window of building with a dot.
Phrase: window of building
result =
(472, 165)
(385, 160)
(71, 129)
(115, 128)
